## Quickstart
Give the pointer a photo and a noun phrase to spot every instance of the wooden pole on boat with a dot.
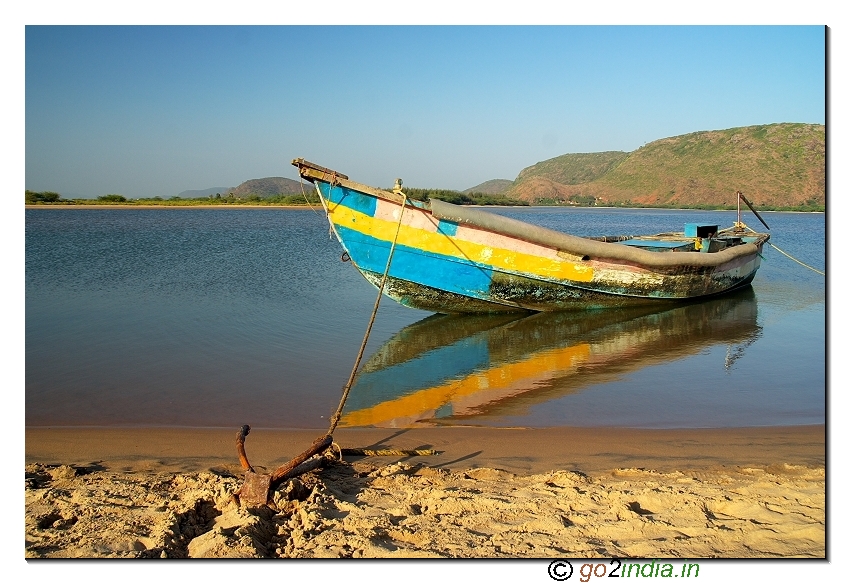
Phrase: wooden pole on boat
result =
(755, 212)
(739, 224)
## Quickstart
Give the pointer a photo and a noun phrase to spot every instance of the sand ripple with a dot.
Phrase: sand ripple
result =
(414, 511)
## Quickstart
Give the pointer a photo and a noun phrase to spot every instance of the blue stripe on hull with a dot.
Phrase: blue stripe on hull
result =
(350, 199)
(411, 264)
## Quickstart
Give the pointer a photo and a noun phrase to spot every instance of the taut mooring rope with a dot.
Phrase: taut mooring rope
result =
(347, 388)
(795, 259)
(389, 452)
(304, 194)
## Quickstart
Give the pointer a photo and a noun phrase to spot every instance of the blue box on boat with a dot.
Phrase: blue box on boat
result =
(650, 245)
(700, 229)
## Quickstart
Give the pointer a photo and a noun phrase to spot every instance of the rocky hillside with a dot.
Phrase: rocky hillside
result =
(778, 165)
(264, 187)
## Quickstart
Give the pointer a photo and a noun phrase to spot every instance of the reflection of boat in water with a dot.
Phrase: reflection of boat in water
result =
(451, 369)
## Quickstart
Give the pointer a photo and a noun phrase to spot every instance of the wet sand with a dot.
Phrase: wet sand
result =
(521, 451)
(600, 492)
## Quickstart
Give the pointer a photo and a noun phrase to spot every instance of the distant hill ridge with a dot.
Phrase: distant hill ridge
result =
(777, 165)
(496, 186)
(574, 168)
(262, 187)
(273, 186)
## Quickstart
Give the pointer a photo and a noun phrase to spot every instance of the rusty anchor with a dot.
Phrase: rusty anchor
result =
(257, 488)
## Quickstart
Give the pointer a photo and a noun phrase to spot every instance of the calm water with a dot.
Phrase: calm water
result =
(217, 318)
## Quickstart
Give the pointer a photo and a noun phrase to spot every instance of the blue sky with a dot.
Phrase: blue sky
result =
(155, 110)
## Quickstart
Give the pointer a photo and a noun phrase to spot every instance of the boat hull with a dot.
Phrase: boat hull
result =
(451, 266)
(532, 296)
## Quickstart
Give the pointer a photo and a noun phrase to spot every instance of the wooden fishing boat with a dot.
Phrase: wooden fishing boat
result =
(451, 259)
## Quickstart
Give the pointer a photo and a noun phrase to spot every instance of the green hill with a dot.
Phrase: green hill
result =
(265, 187)
(496, 186)
(574, 168)
(776, 166)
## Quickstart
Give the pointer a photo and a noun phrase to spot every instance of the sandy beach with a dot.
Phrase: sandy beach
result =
(594, 492)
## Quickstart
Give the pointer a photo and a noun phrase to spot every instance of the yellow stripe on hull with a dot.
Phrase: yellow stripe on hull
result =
(507, 260)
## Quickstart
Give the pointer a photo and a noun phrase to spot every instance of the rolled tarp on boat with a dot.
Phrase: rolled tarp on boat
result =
(580, 246)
